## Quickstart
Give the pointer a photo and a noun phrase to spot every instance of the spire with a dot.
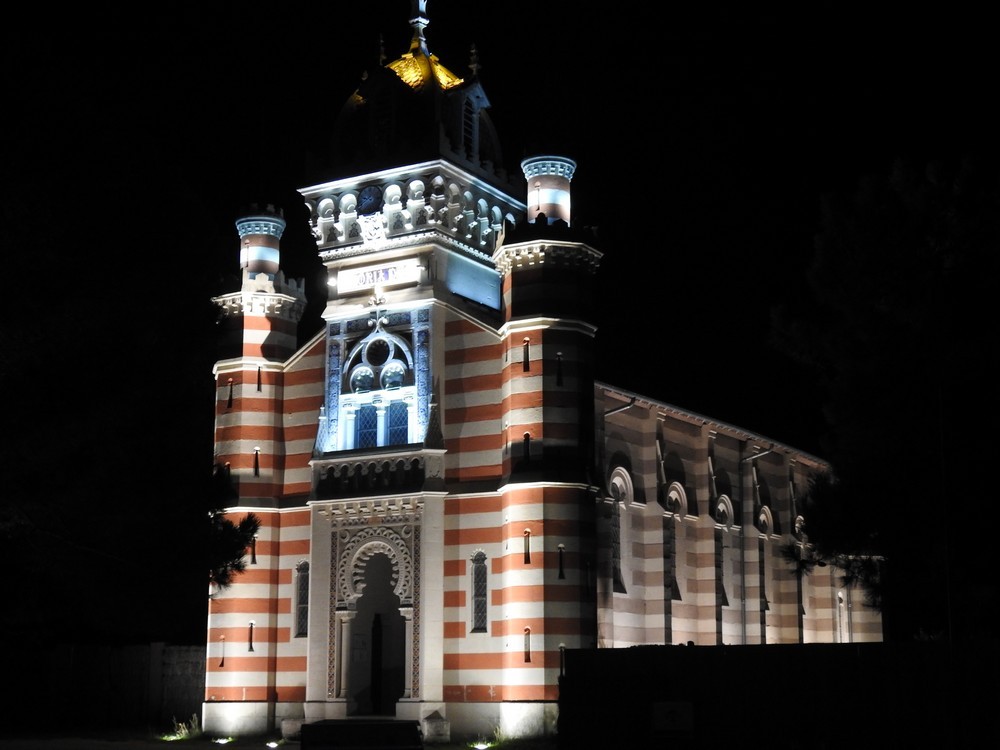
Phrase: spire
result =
(474, 61)
(419, 22)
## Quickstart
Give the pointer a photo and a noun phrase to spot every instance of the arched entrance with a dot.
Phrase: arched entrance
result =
(377, 669)
(372, 628)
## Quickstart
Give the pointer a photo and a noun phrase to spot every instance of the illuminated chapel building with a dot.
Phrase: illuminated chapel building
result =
(448, 498)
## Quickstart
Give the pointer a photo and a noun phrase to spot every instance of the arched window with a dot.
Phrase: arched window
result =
(676, 500)
(301, 599)
(469, 129)
(377, 391)
(479, 592)
(616, 547)
(620, 485)
(723, 513)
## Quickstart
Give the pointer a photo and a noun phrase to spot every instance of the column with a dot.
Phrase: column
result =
(382, 437)
(407, 613)
(344, 652)
(348, 429)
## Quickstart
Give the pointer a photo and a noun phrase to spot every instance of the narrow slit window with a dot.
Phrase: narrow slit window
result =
(618, 582)
(229, 401)
(302, 600)
(562, 569)
(256, 462)
(526, 362)
(713, 489)
(527, 644)
(479, 592)
(559, 368)
(793, 495)
(260, 382)
(527, 447)
(762, 573)
(250, 637)
(469, 129)
(527, 546)
(253, 551)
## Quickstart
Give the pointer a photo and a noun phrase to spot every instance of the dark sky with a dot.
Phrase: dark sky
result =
(704, 138)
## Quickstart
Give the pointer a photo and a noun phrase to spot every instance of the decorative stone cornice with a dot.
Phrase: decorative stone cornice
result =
(368, 213)
(354, 475)
(361, 512)
(261, 225)
(275, 305)
(525, 255)
(549, 165)
(329, 254)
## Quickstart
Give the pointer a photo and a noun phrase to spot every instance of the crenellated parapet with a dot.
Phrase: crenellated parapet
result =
(352, 216)
(353, 475)
(265, 290)
(247, 301)
(515, 257)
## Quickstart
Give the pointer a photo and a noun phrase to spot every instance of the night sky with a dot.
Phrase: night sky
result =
(704, 141)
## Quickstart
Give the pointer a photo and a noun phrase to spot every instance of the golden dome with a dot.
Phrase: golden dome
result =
(415, 69)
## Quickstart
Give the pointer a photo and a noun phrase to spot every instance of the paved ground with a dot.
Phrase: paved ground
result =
(128, 743)
(132, 743)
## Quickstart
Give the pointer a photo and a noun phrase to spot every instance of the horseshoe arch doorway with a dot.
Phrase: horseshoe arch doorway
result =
(377, 651)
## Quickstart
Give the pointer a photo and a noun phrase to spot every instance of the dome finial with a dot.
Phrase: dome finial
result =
(419, 21)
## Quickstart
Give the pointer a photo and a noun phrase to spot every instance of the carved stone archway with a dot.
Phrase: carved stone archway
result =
(353, 549)
(358, 549)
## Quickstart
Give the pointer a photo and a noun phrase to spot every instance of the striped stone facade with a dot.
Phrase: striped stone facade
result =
(448, 498)
(528, 510)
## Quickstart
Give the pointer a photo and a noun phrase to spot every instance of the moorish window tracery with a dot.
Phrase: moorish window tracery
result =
(378, 403)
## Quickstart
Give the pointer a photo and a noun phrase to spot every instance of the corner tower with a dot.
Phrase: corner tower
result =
(548, 270)
(259, 326)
